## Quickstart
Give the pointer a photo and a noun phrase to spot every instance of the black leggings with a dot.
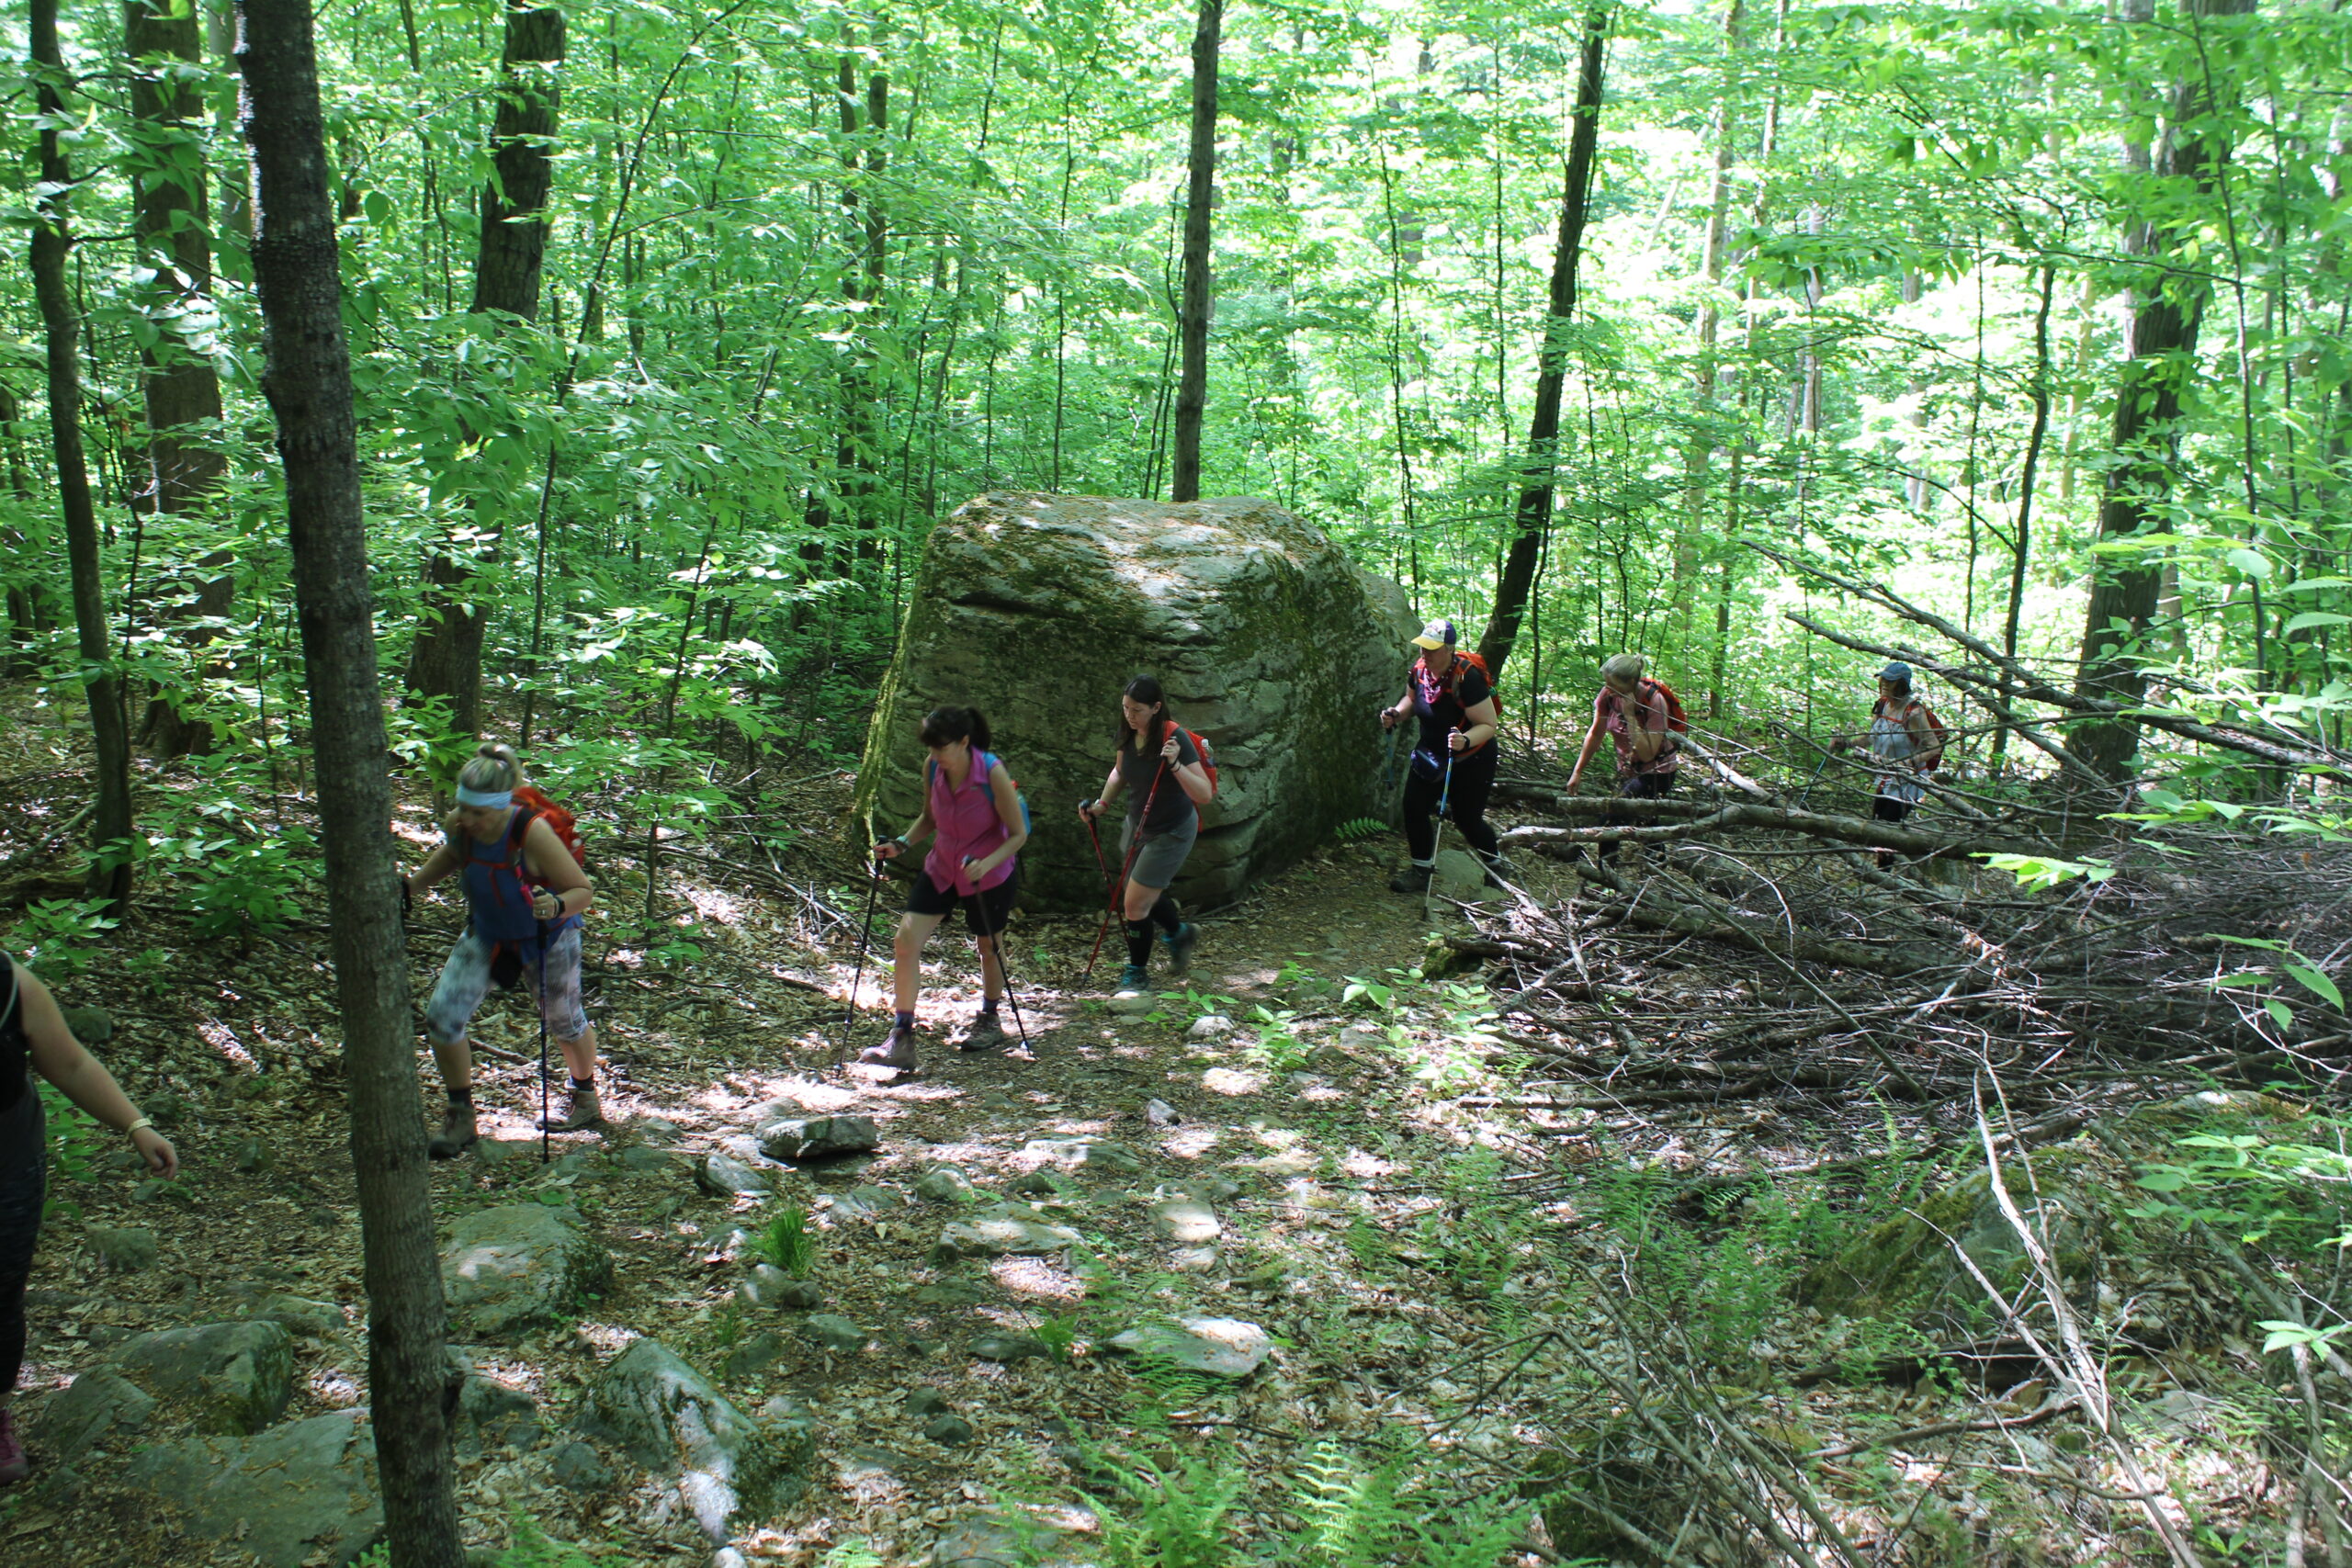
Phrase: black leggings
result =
(1465, 802)
(23, 1185)
(1635, 786)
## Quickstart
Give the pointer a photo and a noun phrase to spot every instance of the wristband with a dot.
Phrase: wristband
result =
(142, 1122)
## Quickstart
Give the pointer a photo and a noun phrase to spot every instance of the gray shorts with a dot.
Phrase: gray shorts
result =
(465, 980)
(1162, 855)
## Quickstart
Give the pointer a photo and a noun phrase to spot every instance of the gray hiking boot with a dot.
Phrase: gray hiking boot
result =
(1412, 879)
(896, 1053)
(456, 1135)
(986, 1034)
(580, 1111)
(1134, 978)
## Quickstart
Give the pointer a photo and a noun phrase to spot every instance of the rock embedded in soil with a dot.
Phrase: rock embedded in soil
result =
(951, 1431)
(723, 1176)
(866, 1203)
(90, 1025)
(945, 1184)
(644, 1160)
(1215, 1347)
(833, 1332)
(98, 1404)
(927, 1402)
(676, 1423)
(303, 1319)
(1185, 1220)
(1009, 1348)
(576, 1467)
(129, 1250)
(496, 1414)
(819, 1137)
(297, 1490)
(754, 1356)
(1210, 1026)
(773, 1290)
(236, 1376)
(1132, 1004)
(1085, 1153)
(1195, 1259)
(998, 1540)
(521, 1265)
(1004, 1230)
(1050, 1184)
(1205, 1188)
(1457, 878)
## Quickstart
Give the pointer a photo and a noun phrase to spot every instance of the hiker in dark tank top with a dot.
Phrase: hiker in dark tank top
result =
(1454, 760)
(35, 1040)
(1167, 781)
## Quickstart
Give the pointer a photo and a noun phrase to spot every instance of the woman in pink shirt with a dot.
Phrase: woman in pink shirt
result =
(973, 810)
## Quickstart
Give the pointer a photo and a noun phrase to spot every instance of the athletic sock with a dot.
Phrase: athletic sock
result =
(1139, 943)
(1165, 913)
(905, 1021)
(989, 1005)
(582, 1086)
(462, 1096)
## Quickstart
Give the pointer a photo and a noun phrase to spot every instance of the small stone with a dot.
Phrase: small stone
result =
(773, 1290)
(1050, 1184)
(658, 1130)
(576, 1467)
(1206, 1188)
(997, 1100)
(1195, 1259)
(722, 1175)
(945, 1184)
(91, 1026)
(923, 1346)
(1185, 1220)
(990, 1541)
(1210, 1026)
(864, 1462)
(754, 1356)
(786, 1407)
(1363, 1037)
(1133, 1004)
(1160, 1113)
(1096, 1155)
(1000, 1346)
(1004, 1230)
(128, 1250)
(927, 1402)
(866, 1203)
(819, 1137)
(249, 1154)
(950, 1430)
(833, 1332)
(1218, 1347)
(495, 1152)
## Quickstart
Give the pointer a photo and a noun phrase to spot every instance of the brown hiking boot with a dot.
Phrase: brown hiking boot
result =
(986, 1034)
(456, 1135)
(896, 1053)
(580, 1111)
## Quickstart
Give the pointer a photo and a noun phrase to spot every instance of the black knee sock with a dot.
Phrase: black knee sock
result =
(1139, 943)
(1165, 915)
(582, 1086)
(462, 1096)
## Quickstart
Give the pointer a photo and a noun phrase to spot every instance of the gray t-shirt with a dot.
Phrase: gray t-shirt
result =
(1171, 806)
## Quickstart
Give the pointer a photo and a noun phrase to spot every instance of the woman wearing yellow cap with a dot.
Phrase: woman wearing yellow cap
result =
(1454, 761)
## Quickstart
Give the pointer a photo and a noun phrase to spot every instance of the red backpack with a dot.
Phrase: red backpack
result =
(1454, 678)
(1208, 756)
(1933, 757)
(1675, 721)
(566, 826)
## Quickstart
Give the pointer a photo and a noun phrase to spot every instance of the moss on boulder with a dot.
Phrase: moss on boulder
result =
(1037, 609)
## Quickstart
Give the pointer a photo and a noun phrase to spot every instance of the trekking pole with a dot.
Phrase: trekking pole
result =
(864, 940)
(543, 1041)
(980, 904)
(1807, 792)
(1117, 887)
(1444, 793)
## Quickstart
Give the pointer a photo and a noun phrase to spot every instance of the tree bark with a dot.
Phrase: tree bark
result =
(1533, 519)
(446, 659)
(2160, 361)
(1704, 378)
(307, 379)
(170, 221)
(110, 874)
(1200, 189)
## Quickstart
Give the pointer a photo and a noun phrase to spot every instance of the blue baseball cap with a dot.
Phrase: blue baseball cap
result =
(1897, 671)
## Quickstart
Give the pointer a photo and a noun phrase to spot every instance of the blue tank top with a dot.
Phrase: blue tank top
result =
(498, 888)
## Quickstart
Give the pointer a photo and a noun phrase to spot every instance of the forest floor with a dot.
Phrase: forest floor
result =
(1430, 1236)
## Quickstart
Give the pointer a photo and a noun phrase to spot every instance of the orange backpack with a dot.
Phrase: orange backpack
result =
(566, 826)
(1932, 757)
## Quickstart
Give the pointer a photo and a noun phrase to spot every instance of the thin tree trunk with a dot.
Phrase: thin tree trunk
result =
(170, 221)
(1192, 378)
(1533, 519)
(2161, 347)
(1700, 456)
(307, 379)
(110, 874)
(2021, 548)
(446, 659)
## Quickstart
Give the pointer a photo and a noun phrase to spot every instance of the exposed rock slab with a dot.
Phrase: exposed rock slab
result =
(1215, 1347)
(521, 1265)
(237, 1377)
(1004, 1230)
(293, 1494)
(674, 1423)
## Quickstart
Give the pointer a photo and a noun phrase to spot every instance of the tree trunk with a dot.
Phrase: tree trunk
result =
(2160, 359)
(446, 659)
(2021, 548)
(110, 874)
(1699, 457)
(1200, 188)
(307, 377)
(170, 221)
(1533, 520)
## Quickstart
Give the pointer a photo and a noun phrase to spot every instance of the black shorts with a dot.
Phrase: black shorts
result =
(985, 912)
(1886, 809)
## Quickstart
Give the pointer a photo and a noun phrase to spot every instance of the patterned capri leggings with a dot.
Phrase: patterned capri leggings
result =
(465, 980)
(23, 1180)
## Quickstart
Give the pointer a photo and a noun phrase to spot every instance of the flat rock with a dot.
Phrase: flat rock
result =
(773, 1290)
(1458, 878)
(819, 1137)
(1205, 1188)
(755, 1355)
(676, 1423)
(1218, 1347)
(1209, 1026)
(1003, 1230)
(1160, 1113)
(236, 1376)
(100, 1402)
(128, 1249)
(301, 1318)
(1132, 1004)
(866, 1462)
(642, 1159)
(292, 1494)
(1186, 1220)
(1050, 1184)
(521, 1265)
(1090, 1154)
(1008, 1348)
(1195, 1259)
(833, 1332)
(951, 1431)
(1004, 1539)
(927, 1402)
(723, 1176)
(866, 1203)
(945, 1184)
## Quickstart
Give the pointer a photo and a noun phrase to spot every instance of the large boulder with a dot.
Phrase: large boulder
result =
(520, 1265)
(299, 1493)
(1037, 609)
(674, 1423)
(237, 1377)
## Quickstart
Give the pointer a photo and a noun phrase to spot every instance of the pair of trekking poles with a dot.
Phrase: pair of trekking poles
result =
(866, 938)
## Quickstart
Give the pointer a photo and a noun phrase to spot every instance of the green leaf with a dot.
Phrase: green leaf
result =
(2280, 1013)
(2319, 985)
(2311, 618)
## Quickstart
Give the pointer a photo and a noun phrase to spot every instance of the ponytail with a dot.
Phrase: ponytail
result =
(942, 726)
(492, 770)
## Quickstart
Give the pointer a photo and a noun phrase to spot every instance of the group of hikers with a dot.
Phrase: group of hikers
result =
(518, 856)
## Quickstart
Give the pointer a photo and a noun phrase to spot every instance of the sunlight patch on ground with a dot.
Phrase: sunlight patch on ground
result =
(1035, 1277)
(1366, 1167)
(608, 1339)
(1192, 1142)
(1232, 1081)
(334, 1388)
(220, 1037)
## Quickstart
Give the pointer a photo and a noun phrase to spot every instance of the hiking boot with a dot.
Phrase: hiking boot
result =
(14, 1465)
(1500, 872)
(986, 1034)
(896, 1053)
(1412, 879)
(580, 1111)
(456, 1135)
(1134, 978)
(1181, 942)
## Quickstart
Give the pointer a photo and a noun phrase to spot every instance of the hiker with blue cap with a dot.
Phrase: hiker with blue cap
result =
(1906, 740)
(1453, 771)
(524, 898)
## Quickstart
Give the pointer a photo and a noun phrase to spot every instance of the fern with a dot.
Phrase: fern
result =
(787, 1243)
(1177, 1522)
(851, 1554)
(1353, 1518)
(1363, 827)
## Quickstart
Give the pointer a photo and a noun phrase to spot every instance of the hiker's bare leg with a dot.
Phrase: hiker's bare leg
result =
(456, 1062)
(991, 969)
(906, 958)
(580, 1056)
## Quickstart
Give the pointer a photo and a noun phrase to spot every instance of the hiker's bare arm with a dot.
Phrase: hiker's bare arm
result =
(567, 891)
(1102, 803)
(1591, 744)
(1646, 740)
(441, 861)
(1923, 739)
(891, 849)
(1190, 777)
(1392, 716)
(82, 1078)
(1008, 811)
(1479, 722)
